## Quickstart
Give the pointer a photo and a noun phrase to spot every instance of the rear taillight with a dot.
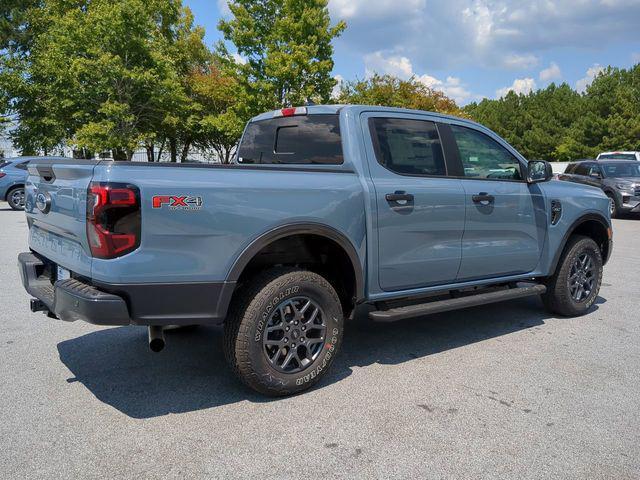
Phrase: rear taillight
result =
(113, 219)
(2, 174)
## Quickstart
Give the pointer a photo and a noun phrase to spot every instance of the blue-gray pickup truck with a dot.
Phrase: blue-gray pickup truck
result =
(324, 208)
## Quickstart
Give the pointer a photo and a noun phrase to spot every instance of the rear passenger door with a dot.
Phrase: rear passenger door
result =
(505, 222)
(420, 211)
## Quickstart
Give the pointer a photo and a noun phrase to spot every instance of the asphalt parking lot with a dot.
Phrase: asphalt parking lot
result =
(502, 391)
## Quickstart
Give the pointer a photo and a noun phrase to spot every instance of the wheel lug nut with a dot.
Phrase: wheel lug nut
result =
(286, 340)
(293, 345)
(304, 328)
(295, 323)
(287, 329)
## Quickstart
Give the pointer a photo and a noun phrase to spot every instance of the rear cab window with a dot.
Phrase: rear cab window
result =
(407, 146)
(298, 140)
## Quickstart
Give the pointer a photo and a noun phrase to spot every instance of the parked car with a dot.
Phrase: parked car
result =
(619, 179)
(13, 173)
(619, 156)
(328, 207)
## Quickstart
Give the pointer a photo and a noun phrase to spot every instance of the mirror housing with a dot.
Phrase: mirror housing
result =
(539, 171)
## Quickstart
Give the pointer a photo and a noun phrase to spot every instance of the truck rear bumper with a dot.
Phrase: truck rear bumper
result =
(110, 304)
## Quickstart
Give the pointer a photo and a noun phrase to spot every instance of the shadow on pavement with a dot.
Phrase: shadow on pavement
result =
(191, 374)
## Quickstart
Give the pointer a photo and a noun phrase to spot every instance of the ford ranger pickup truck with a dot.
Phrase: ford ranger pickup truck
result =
(324, 208)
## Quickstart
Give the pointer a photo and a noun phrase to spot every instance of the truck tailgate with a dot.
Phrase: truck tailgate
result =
(55, 205)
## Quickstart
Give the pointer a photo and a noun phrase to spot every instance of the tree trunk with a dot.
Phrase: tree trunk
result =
(150, 152)
(173, 147)
(161, 151)
(185, 151)
(118, 154)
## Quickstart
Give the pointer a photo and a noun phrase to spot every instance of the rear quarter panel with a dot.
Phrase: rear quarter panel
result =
(239, 205)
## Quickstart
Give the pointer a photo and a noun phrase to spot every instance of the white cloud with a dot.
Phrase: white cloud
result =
(521, 62)
(520, 85)
(349, 9)
(583, 83)
(336, 89)
(223, 8)
(392, 65)
(239, 58)
(402, 67)
(635, 57)
(511, 34)
(552, 72)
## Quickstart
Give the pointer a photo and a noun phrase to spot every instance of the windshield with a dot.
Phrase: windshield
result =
(618, 156)
(621, 169)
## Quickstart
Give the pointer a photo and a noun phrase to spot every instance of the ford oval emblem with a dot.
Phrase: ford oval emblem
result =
(43, 202)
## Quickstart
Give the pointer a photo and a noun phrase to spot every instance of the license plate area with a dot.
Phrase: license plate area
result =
(62, 273)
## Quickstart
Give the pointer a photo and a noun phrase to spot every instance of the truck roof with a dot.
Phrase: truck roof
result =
(356, 109)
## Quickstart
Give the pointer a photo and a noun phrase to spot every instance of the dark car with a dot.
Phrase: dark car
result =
(619, 179)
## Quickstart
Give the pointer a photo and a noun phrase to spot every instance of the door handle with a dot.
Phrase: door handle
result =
(483, 198)
(399, 197)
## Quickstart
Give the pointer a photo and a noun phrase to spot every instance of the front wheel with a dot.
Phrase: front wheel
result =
(613, 206)
(15, 198)
(284, 331)
(573, 289)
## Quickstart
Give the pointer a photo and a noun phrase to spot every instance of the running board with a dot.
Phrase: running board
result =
(411, 311)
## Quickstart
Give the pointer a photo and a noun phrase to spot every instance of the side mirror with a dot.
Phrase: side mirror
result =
(539, 171)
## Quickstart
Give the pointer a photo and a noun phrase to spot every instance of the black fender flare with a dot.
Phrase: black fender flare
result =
(283, 231)
(570, 231)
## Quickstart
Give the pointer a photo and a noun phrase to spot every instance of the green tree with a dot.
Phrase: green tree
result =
(392, 91)
(105, 75)
(287, 48)
(220, 115)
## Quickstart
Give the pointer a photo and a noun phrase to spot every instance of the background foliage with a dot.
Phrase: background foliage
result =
(124, 75)
(558, 123)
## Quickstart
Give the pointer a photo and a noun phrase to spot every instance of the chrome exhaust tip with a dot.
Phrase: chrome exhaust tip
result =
(156, 339)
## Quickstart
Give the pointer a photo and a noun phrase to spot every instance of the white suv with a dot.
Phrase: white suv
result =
(619, 156)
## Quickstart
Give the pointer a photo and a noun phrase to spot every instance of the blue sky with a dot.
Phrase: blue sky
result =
(472, 49)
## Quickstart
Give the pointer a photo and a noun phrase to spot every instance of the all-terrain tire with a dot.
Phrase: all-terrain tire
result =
(254, 309)
(559, 297)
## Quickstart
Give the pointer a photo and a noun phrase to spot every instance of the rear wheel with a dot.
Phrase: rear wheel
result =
(573, 289)
(15, 198)
(284, 331)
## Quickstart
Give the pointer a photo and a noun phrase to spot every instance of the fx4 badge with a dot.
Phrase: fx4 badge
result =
(173, 202)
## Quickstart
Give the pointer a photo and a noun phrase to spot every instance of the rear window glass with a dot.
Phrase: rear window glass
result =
(408, 147)
(4, 163)
(312, 139)
(22, 166)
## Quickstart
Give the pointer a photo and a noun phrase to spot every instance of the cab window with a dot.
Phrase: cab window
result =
(484, 158)
(408, 147)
